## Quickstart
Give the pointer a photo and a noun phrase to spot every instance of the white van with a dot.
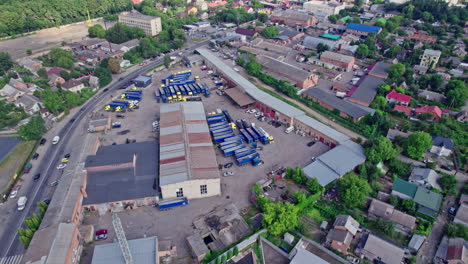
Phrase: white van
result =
(289, 130)
(22, 203)
(55, 140)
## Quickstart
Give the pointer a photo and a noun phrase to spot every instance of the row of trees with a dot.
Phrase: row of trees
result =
(58, 57)
(234, 15)
(32, 223)
(25, 16)
(298, 176)
(60, 100)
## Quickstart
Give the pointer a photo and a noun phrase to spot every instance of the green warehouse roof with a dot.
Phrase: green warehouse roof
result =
(329, 36)
(404, 187)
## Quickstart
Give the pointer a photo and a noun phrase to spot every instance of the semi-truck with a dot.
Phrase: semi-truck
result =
(230, 151)
(133, 92)
(22, 203)
(254, 136)
(250, 158)
(172, 203)
(246, 136)
(133, 97)
(260, 135)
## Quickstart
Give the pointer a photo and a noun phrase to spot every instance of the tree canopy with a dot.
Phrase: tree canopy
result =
(354, 190)
(120, 33)
(448, 183)
(380, 149)
(417, 144)
(457, 93)
(362, 51)
(270, 32)
(396, 70)
(97, 31)
(10, 115)
(280, 217)
(33, 130)
(5, 62)
(59, 57)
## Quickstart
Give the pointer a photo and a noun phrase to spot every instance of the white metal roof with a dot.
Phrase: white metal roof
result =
(144, 251)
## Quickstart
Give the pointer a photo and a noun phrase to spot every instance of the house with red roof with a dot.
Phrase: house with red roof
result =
(434, 110)
(249, 9)
(403, 109)
(394, 97)
(216, 4)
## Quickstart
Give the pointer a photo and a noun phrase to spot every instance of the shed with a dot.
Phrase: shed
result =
(288, 238)
(416, 242)
(239, 97)
(142, 81)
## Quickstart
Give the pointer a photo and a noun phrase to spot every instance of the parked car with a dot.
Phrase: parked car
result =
(101, 237)
(67, 156)
(310, 144)
(14, 193)
(72, 120)
(446, 168)
(121, 79)
(228, 173)
(452, 210)
(35, 156)
(47, 201)
(37, 176)
(101, 234)
(61, 166)
(43, 141)
(54, 183)
(65, 160)
(27, 167)
(120, 116)
(228, 165)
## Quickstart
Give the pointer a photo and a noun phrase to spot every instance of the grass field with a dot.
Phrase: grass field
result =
(10, 165)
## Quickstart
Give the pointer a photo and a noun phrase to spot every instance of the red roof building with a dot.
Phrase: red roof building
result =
(403, 109)
(433, 109)
(394, 97)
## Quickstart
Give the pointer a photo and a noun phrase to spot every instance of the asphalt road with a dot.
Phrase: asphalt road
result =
(70, 137)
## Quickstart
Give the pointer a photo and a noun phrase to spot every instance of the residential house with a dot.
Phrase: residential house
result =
(416, 242)
(191, 10)
(11, 93)
(404, 222)
(29, 103)
(94, 82)
(430, 58)
(424, 177)
(92, 43)
(251, 33)
(293, 18)
(462, 215)
(217, 4)
(56, 79)
(442, 146)
(302, 256)
(376, 248)
(123, 47)
(452, 251)
(362, 29)
(202, 5)
(394, 97)
(433, 110)
(365, 92)
(379, 70)
(394, 133)
(422, 37)
(403, 109)
(344, 229)
(342, 61)
(301, 78)
(431, 96)
(249, 9)
(428, 202)
(32, 65)
(73, 85)
(331, 102)
(18, 83)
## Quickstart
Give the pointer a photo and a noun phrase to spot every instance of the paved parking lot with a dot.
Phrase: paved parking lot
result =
(176, 225)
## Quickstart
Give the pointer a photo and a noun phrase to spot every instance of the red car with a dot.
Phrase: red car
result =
(101, 232)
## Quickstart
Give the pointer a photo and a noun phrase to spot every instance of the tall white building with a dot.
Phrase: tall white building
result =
(430, 58)
(323, 7)
(150, 24)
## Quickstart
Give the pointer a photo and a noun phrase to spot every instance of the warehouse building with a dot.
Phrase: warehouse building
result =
(188, 166)
(150, 24)
(342, 61)
(121, 177)
(302, 79)
(143, 251)
(362, 30)
(142, 81)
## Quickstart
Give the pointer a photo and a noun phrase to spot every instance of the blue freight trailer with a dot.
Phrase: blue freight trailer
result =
(244, 160)
(244, 152)
(229, 142)
(216, 120)
(246, 136)
(230, 145)
(230, 151)
(224, 124)
(222, 132)
(221, 128)
(236, 138)
(222, 137)
(168, 204)
(133, 97)
(228, 116)
(252, 134)
(261, 135)
(218, 125)
(133, 91)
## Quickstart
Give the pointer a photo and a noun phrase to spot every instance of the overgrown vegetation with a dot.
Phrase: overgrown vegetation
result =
(10, 115)
(32, 223)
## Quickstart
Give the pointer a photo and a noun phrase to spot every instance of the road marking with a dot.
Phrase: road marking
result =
(16, 259)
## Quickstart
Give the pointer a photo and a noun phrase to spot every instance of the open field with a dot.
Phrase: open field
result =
(10, 165)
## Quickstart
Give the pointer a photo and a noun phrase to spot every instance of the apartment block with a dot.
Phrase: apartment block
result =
(150, 24)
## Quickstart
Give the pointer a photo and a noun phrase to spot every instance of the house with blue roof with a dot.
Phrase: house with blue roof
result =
(361, 29)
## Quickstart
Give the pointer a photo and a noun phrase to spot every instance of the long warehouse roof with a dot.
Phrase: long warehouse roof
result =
(186, 150)
(271, 101)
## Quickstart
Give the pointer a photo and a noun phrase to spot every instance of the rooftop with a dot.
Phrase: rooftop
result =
(428, 199)
(294, 73)
(404, 109)
(122, 184)
(387, 252)
(306, 257)
(389, 213)
(404, 187)
(246, 32)
(138, 16)
(337, 103)
(425, 174)
(186, 149)
(393, 94)
(442, 142)
(143, 250)
(329, 36)
(336, 57)
(367, 90)
(197, 245)
(429, 109)
(380, 70)
(462, 214)
(291, 14)
(348, 222)
(431, 52)
(364, 28)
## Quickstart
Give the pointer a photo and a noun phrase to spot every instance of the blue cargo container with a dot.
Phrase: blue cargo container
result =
(133, 97)
(246, 136)
(134, 91)
(230, 151)
(215, 129)
(216, 120)
(218, 125)
(244, 152)
(222, 132)
(230, 142)
(262, 136)
(226, 147)
(228, 116)
(168, 204)
(215, 116)
(221, 138)
(252, 134)
(236, 138)
(244, 160)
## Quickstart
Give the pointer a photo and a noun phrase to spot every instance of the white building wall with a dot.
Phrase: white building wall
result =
(191, 189)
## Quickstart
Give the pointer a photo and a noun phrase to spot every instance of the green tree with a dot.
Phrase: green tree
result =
(381, 149)
(120, 33)
(65, 75)
(456, 230)
(104, 75)
(240, 61)
(114, 65)
(42, 72)
(457, 93)
(396, 70)
(314, 186)
(25, 241)
(354, 190)
(96, 31)
(448, 183)
(253, 67)
(33, 130)
(280, 217)
(223, 259)
(333, 18)
(383, 88)
(167, 61)
(262, 17)
(362, 51)
(236, 251)
(322, 47)
(270, 32)
(28, 52)
(417, 144)
(5, 62)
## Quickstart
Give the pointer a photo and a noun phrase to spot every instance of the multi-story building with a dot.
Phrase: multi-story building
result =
(293, 18)
(430, 58)
(150, 24)
(325, 8)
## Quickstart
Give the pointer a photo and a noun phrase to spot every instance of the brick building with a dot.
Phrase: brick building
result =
(342, 61)
(293, 18)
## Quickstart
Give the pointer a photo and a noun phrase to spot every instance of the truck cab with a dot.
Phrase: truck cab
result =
(22, 203)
